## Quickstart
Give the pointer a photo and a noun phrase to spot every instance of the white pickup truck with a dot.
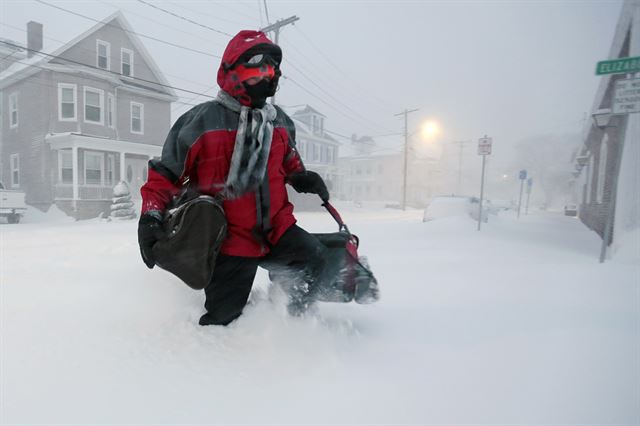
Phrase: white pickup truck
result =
(12, 205)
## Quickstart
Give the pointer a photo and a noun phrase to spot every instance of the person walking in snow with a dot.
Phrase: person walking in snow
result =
(242, 147)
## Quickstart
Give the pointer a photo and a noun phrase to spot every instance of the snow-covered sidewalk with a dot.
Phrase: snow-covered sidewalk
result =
(516, 324)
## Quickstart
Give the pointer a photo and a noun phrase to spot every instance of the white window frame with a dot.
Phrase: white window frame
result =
(13, 107)
(60, 164)
(100, 155)
(108, 46)
(602, 169)
(74, 87)
(124, 50)
(131, 105)
(100, 92)
(111, 167)
(111, 110)
(14, 166)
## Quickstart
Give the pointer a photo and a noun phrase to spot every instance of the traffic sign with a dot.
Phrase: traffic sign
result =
(484, 145)
(626, 97)
(523, 174)
(529, 185)
(619, 66)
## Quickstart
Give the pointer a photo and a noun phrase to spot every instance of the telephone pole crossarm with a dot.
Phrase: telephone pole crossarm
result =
(279, 23)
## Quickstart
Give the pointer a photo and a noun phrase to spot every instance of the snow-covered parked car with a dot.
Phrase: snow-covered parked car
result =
(571, 210)
(497, 206)
(12, 205)
(453, 205)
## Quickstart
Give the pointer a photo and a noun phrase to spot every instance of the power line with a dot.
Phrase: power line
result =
(93, 52)
(333, 97)
(201, 13)
(55, 86)
(102, 70)
(172, 44)
(129, 31)
(338, 82)
(184, 19)
(117, 7)
(330, 62)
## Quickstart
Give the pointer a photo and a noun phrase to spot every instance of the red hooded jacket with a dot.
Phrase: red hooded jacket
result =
(199, 148)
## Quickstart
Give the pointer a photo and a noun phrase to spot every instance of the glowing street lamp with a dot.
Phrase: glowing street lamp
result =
(430, 129)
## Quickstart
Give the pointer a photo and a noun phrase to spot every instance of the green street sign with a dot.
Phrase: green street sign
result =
(619, 66)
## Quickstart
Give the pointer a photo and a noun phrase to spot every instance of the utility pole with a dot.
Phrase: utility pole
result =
(484, 149)
(406, 155)
(529, 185)
(522, 176)
(461, 146)
(275, 27)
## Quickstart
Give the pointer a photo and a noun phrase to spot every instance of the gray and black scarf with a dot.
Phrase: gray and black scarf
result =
(251, 151)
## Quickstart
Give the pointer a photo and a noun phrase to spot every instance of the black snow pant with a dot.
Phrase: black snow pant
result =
(302, 254)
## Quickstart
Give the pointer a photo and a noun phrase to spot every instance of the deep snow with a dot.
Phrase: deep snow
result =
(516, 324)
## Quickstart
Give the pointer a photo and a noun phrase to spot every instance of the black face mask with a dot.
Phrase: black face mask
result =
(260, 91)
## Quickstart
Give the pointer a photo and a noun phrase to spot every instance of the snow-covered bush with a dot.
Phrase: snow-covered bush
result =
(121, 205)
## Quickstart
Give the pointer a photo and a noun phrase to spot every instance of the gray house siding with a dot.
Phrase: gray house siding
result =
(157, 118)
(85, 51)
(42, 135)
(27, 139)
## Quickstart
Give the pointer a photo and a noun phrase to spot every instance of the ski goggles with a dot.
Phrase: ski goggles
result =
(258, 73)
(258, 60)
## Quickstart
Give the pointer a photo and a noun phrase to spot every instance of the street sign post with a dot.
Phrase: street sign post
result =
(484, 146)
(484, 149)
(619, 66)
(522, 176)
(626, 96)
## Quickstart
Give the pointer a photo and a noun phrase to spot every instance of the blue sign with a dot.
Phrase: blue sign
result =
(523, 174)
(530, 182)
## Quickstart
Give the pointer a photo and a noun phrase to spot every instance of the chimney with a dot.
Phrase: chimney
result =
(34, 38)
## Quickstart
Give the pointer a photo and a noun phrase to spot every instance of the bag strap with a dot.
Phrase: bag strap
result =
(336, 216)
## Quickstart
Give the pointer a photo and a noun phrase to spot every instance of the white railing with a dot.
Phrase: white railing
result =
(85, 192)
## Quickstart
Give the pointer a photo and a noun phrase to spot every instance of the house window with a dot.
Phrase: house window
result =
(93, 101)
(15, 170)
(137, 118)
(13, 110)
(126, 59)
(93, 168)
(67, 102)
(65, 166)
(300, 149)
(321, 125)
(103, 50)
(316, 152)
(111, 162)
(602, 169)
(110, 110)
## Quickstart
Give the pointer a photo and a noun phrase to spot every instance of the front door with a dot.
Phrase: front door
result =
(135, 175)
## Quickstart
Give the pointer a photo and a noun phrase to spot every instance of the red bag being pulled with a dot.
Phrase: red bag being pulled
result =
(351, 278)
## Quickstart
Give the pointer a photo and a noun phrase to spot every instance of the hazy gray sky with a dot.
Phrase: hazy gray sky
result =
(511, 69)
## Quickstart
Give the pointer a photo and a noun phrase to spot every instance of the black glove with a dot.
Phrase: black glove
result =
(309, 182)
(149, 232)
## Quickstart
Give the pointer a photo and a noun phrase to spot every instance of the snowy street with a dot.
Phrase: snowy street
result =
(516, 324)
